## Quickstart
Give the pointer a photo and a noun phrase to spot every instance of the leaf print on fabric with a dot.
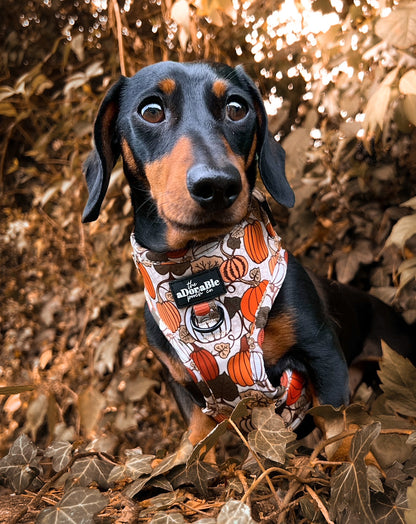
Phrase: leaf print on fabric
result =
(203, 263)
(224, 388)
(176, 268)
(185, 336)
(223, 349)
(262, 318)
(255, 275)
(232, 305)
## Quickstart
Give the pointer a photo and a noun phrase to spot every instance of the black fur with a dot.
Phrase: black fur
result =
(333, 324)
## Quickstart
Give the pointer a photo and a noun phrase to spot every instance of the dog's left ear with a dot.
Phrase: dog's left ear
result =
(271, 155)
(102, 159)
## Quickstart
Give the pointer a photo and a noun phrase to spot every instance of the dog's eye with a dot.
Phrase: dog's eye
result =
(236, 109)
(152, 112)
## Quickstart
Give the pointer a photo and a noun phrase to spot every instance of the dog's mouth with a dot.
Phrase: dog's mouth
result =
(213, 225)
(199, 227)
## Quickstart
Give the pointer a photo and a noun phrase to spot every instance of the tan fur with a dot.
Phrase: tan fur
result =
(128, 156)
(168, 86)
(279, 338)
(167, 180)
(175, 367)
(199, 426)
(219, 88)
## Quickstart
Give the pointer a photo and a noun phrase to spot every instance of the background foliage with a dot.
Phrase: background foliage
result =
(343, 103)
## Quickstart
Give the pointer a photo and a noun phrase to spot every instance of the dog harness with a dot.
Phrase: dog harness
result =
(212, 301)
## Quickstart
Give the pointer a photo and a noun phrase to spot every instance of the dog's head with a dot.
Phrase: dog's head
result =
(191, 137)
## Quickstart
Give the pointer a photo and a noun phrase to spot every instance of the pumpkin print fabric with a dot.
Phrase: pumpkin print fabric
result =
(219, 339)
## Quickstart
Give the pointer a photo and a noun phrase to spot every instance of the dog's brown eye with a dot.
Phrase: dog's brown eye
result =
(152, 112)
(236, 110)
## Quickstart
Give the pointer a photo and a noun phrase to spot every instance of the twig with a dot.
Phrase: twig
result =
(119, 37)
(260, 479)
(269, 482)
(320, 504)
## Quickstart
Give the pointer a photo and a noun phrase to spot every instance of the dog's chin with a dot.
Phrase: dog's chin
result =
(189, 223)
(179, 235)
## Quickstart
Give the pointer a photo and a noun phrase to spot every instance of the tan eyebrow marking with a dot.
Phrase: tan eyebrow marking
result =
(219, 87)
(167, 85)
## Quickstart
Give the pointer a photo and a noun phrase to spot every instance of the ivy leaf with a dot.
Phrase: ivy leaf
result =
(404, 229)
(134, 468)
(91, 469)
(407, 271)
(175, 459)
(407, 84)
(399, 27)
(235, 511)
(160, 482)
(411, 496)
(61, 453)
(21, 465)
(90, 403)
(135, 487)
(349, 485)
(409, 105)
(390, 507)
(199, 473)
(398, 381)
(271, 436)
(376, 109)
(167, 518)
(78, 505)
(202, 448)
(347, 264)
(170, 462)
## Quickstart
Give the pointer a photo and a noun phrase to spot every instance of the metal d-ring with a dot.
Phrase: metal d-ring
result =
(207, 329)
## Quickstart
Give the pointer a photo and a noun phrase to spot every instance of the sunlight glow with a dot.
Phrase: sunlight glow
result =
(290, 23)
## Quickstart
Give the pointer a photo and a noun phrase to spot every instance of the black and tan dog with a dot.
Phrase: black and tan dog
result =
(192, 138)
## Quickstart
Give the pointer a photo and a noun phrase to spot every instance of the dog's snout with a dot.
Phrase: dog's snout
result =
(214, 189)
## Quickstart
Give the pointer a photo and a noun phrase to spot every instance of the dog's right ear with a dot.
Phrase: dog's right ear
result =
(100, 162)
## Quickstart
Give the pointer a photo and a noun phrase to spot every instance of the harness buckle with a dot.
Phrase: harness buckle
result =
(207, 317)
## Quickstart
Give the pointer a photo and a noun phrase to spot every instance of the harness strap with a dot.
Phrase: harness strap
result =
(212, 303)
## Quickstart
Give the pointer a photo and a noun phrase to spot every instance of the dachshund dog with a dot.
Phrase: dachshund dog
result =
(229, 312)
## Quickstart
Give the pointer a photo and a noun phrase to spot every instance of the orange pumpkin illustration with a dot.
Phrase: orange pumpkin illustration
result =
(260, 338)
(254, 242)
(205, 362)
(239, 366)
(147, 281)
(251, 299)
(294, 382)
(193, 376)
(273, 262)
(270, 229)
(234, 268)
(169, 315)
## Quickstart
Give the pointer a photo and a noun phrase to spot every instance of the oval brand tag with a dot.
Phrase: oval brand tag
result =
(201, 287)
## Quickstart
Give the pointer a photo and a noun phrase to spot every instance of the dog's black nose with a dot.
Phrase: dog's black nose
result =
(214, 189)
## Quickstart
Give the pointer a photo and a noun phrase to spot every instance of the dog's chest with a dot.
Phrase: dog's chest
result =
(212, 302)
